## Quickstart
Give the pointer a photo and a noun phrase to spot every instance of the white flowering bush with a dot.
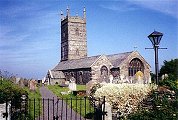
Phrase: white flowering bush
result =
(124, 97)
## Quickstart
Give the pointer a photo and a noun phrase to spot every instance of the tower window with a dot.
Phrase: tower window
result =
(64, 34)
(63, 52)
(77, 52)
(77, 31)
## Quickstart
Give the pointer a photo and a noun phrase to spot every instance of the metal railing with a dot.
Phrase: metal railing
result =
(55, 109)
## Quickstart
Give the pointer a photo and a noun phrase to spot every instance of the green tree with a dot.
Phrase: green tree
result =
(10, 91)
(170, 68)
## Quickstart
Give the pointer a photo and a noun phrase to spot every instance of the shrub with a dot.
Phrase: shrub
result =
(163, 106)
(124, 97)
(9, 91)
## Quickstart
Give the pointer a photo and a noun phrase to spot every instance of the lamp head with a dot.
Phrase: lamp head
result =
(155, 38)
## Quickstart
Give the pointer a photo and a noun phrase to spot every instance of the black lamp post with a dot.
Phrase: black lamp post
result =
(155, 38)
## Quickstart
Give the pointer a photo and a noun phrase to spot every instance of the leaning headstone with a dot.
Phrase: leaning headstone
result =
(32, 85)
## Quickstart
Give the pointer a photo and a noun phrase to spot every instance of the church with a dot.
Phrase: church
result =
(76, 64)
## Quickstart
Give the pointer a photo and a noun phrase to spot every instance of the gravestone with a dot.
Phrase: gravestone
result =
(72, 84)
(111, 78)
(32, 85)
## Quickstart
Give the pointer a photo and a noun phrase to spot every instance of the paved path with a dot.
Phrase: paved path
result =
(56, 107)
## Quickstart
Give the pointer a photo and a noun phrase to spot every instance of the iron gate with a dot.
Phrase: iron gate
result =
(55, 109)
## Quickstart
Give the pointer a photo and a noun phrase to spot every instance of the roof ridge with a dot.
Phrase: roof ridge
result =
(119, 53)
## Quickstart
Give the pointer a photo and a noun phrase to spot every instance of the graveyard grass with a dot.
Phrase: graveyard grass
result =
(77, 105)
(31, 96)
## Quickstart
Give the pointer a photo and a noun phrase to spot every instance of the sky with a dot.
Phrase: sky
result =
(30, 31)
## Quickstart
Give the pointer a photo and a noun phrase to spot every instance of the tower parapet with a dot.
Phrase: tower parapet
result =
(75, 17)
(73, 36)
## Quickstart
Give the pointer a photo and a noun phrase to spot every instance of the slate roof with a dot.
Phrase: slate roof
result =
(115, 59)
(77, 63)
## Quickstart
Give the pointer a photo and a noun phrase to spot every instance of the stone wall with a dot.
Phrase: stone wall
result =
(82, 76)
(125, 64)
(96, 68)
(54, 81)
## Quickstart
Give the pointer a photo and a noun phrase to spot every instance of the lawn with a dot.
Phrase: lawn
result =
(34, 98)
(78, 103)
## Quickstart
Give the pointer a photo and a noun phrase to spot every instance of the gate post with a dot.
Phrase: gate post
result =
(103, 111)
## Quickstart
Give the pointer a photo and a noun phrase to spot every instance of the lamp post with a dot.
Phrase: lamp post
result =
(155, 38)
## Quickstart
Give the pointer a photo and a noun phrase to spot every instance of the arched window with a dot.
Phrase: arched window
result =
(134, 66)
(104, 71)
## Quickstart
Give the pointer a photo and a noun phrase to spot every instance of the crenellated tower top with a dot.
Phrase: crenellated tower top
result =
(63, 17)
(73, 36)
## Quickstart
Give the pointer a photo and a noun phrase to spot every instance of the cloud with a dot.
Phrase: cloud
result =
(22, 8)
(119, 6)
(169, 7)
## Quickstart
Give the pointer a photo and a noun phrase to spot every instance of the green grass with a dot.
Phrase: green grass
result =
(81, 87)
(38, 106)
(78, 105)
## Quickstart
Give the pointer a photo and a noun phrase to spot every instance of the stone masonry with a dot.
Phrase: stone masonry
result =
(75, 62)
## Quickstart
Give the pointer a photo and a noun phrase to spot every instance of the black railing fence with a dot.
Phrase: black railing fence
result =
(54, 109)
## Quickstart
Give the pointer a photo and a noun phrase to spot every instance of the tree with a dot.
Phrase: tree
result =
(10, 91)
(170, 68)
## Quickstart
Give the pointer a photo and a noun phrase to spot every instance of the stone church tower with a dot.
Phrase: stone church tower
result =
(73, 36)
(126, 67)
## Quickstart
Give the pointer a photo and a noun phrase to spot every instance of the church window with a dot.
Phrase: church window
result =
(134, 66)
(104, 71)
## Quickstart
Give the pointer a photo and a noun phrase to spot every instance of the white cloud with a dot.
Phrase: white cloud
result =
(169, 7)
(119, 6)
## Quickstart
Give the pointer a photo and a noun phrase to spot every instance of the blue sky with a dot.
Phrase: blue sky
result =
(30, 31)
